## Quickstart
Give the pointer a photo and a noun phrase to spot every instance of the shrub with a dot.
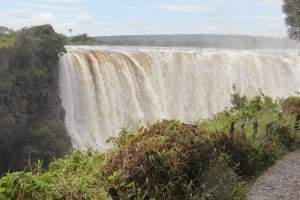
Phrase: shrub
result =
(171, 160)
(74, 177)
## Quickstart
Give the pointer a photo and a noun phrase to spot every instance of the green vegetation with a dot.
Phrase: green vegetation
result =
(172, 160)
(6, 41)
(292, 10)
(83, 39)
(7, 38)
(71, 178)
(31, 117)
(201, 41)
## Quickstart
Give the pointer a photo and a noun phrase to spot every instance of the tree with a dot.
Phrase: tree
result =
(80, 38)
(31, 116)
(7, 39)
(292, 10)
(5, 31)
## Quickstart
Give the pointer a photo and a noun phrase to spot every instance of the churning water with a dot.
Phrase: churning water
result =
(106, 88)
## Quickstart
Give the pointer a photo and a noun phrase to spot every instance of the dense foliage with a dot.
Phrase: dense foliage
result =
(292, 10)
(83, 39)
(7, 38)
(74, 177)
(31, 118)
(172, 160)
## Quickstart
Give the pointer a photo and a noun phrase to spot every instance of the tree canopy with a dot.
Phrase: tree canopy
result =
(5, 31)
(83, 39)
(292, 10)
(7, 38)
(31, 116)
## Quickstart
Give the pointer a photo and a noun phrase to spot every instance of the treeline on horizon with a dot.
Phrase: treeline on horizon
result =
(187, 40)
(201, 41)
(170, 40)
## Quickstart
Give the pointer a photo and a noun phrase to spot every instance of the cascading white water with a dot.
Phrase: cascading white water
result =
(106, 88)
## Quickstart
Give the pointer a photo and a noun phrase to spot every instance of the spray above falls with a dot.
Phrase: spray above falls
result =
(106, 88)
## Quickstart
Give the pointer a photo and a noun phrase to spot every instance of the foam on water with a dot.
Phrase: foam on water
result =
(106, 88)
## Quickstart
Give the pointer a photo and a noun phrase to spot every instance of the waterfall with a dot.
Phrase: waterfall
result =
(106, 88)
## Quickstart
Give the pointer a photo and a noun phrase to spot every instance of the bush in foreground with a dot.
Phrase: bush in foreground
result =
(171, 159)
(74, 177)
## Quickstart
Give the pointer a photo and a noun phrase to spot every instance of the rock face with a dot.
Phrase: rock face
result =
(281, 181)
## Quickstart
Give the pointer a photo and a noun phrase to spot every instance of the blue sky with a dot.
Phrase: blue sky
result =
(127, 17)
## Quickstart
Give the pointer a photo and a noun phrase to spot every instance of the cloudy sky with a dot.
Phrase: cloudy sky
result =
(120, 17)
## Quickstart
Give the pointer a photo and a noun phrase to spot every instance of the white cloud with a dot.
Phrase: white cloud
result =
(135, 26)
(220, 29)
(275, 29)
(60, 13)
(83, 23)
(60, 1)
(51, 7)
(257, 17)
(47, 17)
(105, 29)
(269, 2)
(186, 8)
(18, 18)
(130, 7)
(85, 19)
(17, 13)
(212, 29)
